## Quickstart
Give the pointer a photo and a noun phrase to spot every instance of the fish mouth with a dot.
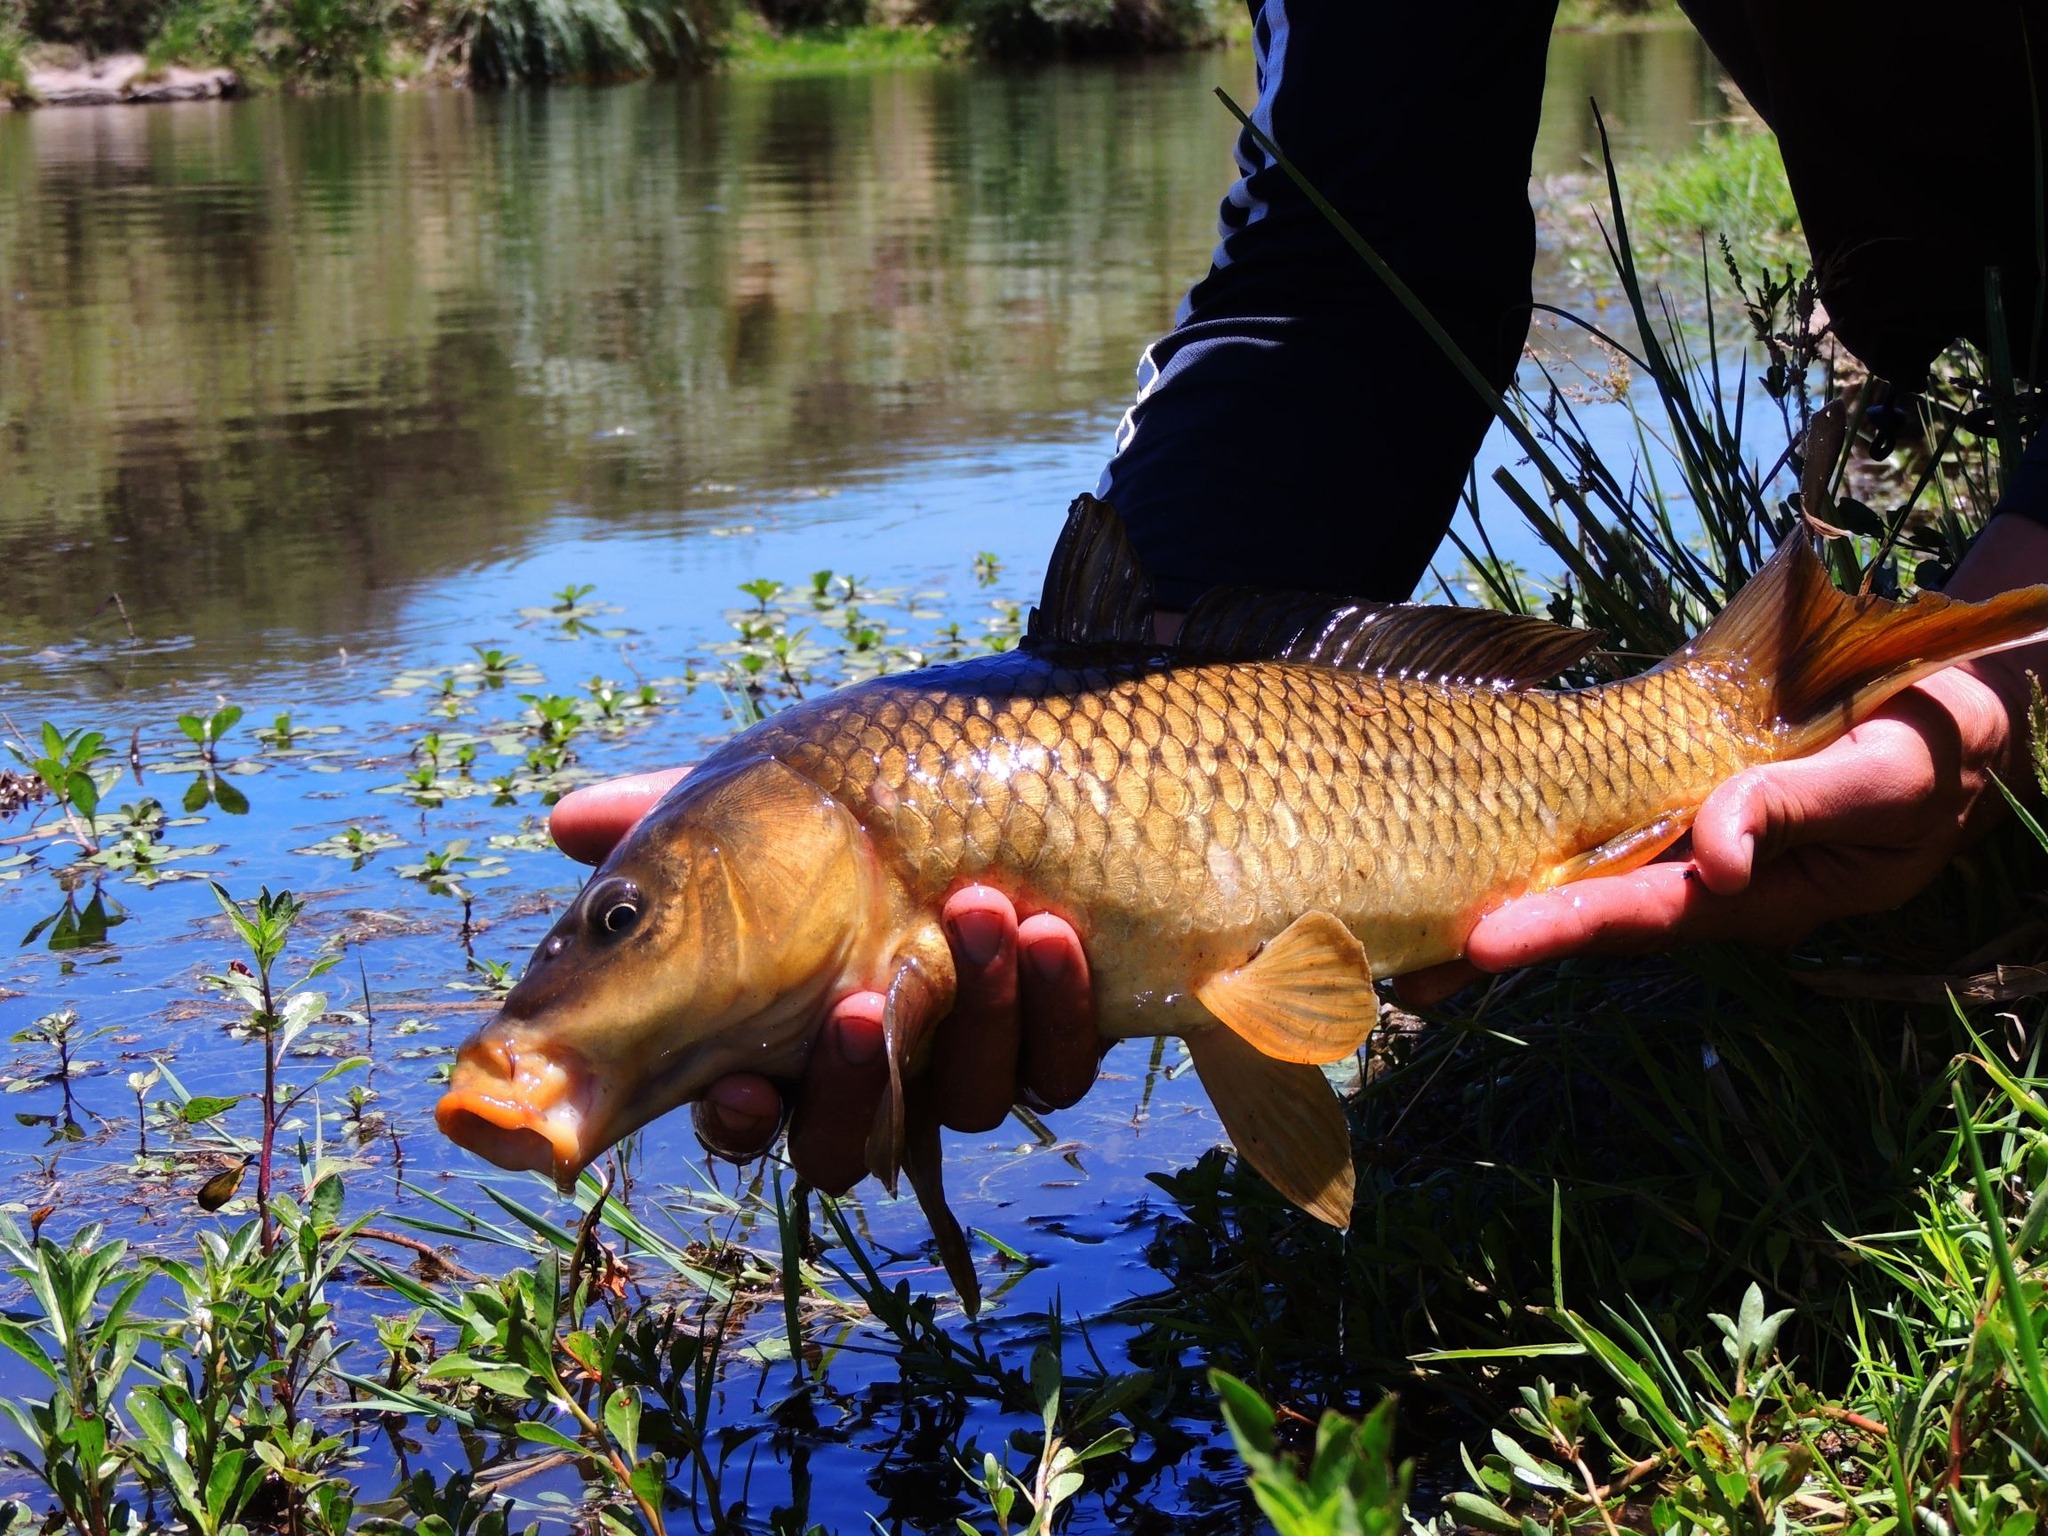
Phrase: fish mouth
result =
(523, 1107)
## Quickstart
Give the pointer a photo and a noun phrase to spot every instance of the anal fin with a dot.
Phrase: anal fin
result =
(1623, 852)
(1284, 1119)
(1305, 996)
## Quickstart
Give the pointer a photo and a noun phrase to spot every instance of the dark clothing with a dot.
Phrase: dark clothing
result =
(1907, 132)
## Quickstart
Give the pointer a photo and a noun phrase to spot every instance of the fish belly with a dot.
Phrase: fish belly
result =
(1181, 816)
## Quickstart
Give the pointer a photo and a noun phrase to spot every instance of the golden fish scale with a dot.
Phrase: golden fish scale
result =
(1182, 815)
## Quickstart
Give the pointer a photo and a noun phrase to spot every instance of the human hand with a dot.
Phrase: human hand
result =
(1859, 826)
(1022, 1026)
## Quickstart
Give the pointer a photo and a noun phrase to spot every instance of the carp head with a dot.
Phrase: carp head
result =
(710, 942)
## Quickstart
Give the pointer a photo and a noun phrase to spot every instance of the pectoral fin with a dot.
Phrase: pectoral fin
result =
(905, 1134)
(1305, 996)
(1284, 1119)
(920, 994)
(922, 1165)
(1624, 851)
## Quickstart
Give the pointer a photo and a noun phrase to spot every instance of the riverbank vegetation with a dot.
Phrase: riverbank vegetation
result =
(304, 44)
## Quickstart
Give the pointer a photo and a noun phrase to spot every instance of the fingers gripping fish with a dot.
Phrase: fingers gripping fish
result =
(1247, 829)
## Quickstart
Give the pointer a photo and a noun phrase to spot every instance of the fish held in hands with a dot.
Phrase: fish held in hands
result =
(1247, 828)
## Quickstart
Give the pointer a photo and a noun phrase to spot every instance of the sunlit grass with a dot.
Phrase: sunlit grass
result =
(751, 47)
(1732, 185)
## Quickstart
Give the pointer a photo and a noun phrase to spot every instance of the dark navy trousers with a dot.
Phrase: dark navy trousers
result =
(1297, 429)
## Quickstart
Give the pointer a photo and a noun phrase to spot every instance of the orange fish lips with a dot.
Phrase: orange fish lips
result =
(522, 1107)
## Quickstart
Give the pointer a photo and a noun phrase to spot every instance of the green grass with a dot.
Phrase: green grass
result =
(1859, 1377)
(492, 42)
(1732, 185)
(752, 47)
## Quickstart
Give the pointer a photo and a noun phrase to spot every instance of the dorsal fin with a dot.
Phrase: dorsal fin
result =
(1097, 597)
(1095, 593)
(1412, 640)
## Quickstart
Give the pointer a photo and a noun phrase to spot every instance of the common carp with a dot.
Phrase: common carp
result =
(1247, 828)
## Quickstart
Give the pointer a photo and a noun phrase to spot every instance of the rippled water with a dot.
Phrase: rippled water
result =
(326, 392)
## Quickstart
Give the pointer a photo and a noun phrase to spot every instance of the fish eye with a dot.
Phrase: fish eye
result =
(613, 909)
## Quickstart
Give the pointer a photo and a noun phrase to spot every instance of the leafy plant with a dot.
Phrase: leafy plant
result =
(1351, 1486)
(1057, 1476)
(205, 731)
(276, 1015)
(14, 83)
(81, 1342)
(440, 869)
(335, 40)
(62, 1033)
(206, 32)
(353, 844)
(65, 761)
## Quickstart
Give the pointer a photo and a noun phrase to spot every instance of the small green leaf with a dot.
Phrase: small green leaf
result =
(1483, 1512)
(325, 1205)
(204, 1107)
(548, 1435)
(622, 1419)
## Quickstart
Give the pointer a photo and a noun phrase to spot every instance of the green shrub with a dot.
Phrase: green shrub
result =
(13, 67)
(1733, 184)
(533, 40)
(99, 26)
(325, 40)
(333, 39)
(206, 32)
(786, 15)
(1033, 28)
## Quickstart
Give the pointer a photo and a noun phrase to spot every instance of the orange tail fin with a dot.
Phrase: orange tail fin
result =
(1826, 660)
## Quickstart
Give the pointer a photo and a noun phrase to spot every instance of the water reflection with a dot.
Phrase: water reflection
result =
(268, 368)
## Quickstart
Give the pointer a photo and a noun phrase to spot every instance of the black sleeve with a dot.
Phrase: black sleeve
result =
(1297, 428)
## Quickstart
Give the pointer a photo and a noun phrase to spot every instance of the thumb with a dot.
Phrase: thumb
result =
(1864, 790)
(588, 822)
(1727, 829)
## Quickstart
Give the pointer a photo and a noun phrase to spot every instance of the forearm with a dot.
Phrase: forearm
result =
(1298, 428)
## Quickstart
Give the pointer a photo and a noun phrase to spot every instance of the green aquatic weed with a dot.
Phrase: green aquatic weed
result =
(205, 731)
(65, 763)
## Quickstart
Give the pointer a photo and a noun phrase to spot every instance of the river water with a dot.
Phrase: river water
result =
(304, 401)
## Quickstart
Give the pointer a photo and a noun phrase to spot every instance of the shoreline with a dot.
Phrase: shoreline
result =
(750, 47)
(125, 79)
